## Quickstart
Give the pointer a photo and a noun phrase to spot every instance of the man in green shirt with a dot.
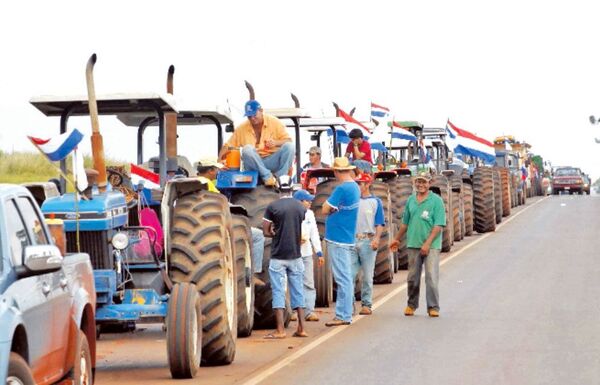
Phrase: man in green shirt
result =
(424, 218)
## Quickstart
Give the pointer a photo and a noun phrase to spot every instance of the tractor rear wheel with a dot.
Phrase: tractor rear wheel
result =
(456, 216)
(441, 182)
(497, 195)
(468, 205)
(323, 280)
(484, 209)
(242, 238)
(504, 179)
(184, 331)
(384, 260)
(401, 189)
(202, 253)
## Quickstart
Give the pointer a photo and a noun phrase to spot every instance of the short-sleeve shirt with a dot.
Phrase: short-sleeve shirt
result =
(364, 147)
(370, 214)
(287, 215)
(244, 134)
(420, 219)
(340, 226)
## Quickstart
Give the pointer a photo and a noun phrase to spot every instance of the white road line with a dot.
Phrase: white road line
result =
(336, 330)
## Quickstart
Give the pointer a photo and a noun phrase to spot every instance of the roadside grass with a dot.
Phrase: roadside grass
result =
(22, 167)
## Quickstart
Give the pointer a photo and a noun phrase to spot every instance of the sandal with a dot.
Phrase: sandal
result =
(337, 322)
(274, 336)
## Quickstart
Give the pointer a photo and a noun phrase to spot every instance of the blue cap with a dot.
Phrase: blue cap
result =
(251, 108)
(303, 195)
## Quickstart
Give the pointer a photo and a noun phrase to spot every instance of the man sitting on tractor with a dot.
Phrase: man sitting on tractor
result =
(359, 150)
(266, 145)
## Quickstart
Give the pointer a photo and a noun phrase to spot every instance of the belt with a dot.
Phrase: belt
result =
(365, 235)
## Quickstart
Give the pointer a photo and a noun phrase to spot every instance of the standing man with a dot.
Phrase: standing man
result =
(423, 221)
(266, 145)
(341, 209)
(283, 222)
(310, 242)
(369, 228)
(360, 151)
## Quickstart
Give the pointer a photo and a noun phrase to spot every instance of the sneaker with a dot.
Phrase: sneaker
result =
(365, 310)
(433, 313)
(271, 181)
(312, 317)
(409, 311)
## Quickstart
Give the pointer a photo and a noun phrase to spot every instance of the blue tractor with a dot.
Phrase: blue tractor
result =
(134, 279)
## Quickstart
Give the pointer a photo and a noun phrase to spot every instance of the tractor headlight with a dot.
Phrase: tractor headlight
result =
(120, 241)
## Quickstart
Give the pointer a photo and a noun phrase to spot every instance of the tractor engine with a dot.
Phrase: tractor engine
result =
(99, 218)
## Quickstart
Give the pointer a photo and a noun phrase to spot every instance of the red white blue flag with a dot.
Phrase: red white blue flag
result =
(58, 147)
(147, 178)
(464, 142)
(378, 111)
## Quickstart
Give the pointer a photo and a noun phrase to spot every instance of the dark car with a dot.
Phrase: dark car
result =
(567, 179)
(47, 300)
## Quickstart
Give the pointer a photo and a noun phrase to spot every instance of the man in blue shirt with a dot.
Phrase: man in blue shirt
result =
(341, 209)
(369, 228)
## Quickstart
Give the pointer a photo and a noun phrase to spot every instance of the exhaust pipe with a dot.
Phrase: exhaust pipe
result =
(97, 144)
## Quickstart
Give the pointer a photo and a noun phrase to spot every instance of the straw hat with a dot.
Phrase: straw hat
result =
(342, 163)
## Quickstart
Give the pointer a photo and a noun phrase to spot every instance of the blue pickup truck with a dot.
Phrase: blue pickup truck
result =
(47, 300)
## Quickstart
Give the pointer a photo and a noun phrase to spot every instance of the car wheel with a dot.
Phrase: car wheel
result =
(19, 372)
(81, 374)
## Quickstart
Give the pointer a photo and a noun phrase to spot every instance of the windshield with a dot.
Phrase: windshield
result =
(566, 171)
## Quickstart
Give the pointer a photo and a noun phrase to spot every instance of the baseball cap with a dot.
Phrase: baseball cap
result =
(285, 182)
(364, 178)
(209, 163)
(303, 195)
(423, 175)
(314, 149)
(251, 108)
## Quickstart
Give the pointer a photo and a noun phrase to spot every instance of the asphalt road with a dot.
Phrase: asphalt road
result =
(518, 306)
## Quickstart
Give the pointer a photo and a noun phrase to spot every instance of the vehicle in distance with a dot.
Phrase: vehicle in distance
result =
(567, 179)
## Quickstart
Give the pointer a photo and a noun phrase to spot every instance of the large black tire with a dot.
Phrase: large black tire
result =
(323, 280)
(441, 182)
(242, 237)
(255, 202)
(384, 260)
(184, 331)
(202, 252)
(458, 186)
(401, 188)
(484, 210)
(504, 179)
(19, 371)
(456, 216)
(497, 195)
(468, 208)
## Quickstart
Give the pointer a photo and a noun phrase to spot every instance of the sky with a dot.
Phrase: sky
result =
(524, 68)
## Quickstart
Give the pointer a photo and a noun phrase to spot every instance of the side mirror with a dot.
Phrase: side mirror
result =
(42, 259)
(229, 128)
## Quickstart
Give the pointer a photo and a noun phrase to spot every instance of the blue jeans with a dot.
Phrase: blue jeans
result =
(342, 273)
(258, 248)
(292, 271)
(432, 275)
(277, 164)
(363, 258)
(363, 165)
(310, 294)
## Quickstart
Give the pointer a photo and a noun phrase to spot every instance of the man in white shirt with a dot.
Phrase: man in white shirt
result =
(310, 241)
